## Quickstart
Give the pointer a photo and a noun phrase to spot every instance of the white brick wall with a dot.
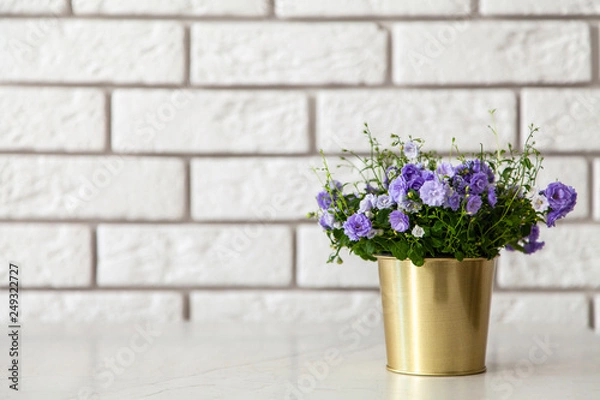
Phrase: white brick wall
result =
(460, 113)
(540, 7)
(339, 8)
(172, 7)
(52, 119)
(561, 112)
(155, 155)
(56, 50)
(568, 260)
(145, 255)
(210, 121)
(33, 6)
(91, 187)
(492, 52)
(79, 306)
(48, 255)
(294, 54)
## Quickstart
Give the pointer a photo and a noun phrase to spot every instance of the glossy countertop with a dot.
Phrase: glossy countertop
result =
(287, 361)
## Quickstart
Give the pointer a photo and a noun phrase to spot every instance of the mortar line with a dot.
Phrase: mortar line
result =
(108, 122)
(475, 9)
(312, 125)
(186, 306)
(187, 55)
(187, 187)
(475, 86)
(313, 19)
(94, 256)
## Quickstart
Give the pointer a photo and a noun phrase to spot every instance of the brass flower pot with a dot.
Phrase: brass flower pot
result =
(436, 316)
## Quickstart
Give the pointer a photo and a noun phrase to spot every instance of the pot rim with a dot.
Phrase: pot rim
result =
(378, 256)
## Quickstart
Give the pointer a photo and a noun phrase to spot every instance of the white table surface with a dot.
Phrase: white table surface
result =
(273, 361)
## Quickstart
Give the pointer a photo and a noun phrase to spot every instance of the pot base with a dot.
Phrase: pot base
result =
(461, 373)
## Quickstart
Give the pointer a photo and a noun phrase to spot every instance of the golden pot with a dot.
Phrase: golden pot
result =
(436, 316)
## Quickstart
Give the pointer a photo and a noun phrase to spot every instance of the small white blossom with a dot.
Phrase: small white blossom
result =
(411, 150)
(417, 231)
(367, 203)
(540, 203)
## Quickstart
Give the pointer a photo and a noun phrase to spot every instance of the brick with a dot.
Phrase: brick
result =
(194, 255)
(172, 7)
(312, 253)
(575, 175)
(283, 53)
(539, 7)
(253, 188)
(49, 119)
(491, 52)
(434, 115)
(91, 187)
(47, 255)
(568, 260)
(568, 118)
(91, 51)
(288, 306)
(94, 306)
(210, 121)
(33, 6)
(553, 308)
(340, 8)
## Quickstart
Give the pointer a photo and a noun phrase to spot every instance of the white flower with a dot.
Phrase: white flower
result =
(540, 203)
(367, 203)
(411, 150)
(417, 231)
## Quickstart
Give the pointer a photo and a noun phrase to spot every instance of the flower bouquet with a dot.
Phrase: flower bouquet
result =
(450, 217)
(414, 204)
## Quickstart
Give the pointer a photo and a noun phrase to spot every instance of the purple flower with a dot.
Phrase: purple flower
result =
(478, 183)
(473, 205)
(327, 221)
(480, 166)
(384, 201)
(398, 189)
(491, 196)
(367, 203)
(446, 169)
(427, 175)
(324, 200)
(357, 226)
(453, 201)
(561, 199)
(433, 193)
(459, 184)
(534, 235)
(416, 183)
(532, 245)
(399, 221)
(411, 150)
(410, 172)
(335, 185)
